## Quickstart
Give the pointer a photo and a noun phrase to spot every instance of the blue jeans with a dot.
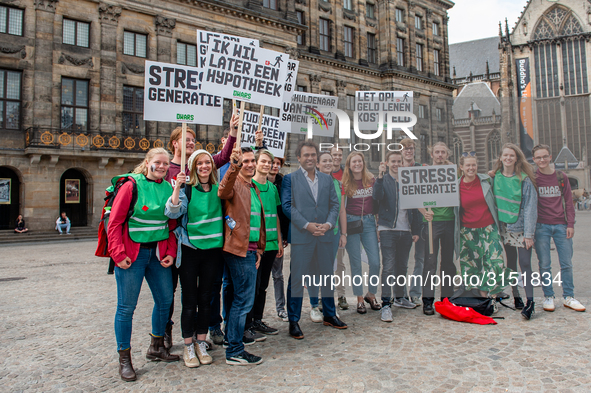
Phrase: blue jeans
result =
(220, 287)
(564, 247)
(242, 280)
(61, 227)
(369, 239)
(416, 290)
(129, 284)
(395, 251)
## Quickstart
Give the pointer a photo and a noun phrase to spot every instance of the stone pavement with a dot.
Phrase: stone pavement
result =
(58, 306)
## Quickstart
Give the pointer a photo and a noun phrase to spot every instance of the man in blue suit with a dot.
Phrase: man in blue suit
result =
(310, 201)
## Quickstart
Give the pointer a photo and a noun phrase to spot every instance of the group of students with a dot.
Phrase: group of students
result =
(221, 225)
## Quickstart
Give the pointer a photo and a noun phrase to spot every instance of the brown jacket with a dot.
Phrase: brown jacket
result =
(235, 191)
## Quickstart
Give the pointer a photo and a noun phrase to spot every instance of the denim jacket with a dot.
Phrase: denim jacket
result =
(385, 192)
(528, 211)
(176, 211)
(487, 189)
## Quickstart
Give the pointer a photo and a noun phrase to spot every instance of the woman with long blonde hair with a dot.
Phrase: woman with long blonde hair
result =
(142, 247)
(199, 259)
(517, 203)
(358, 190)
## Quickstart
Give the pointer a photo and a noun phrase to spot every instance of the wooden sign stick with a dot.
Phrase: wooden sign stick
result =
(261, 117)
(183, 146)
(240, 119)
(430, 234)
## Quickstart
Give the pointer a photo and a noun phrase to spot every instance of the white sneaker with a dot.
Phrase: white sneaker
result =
(316, 315)
(204, 357)
(548, 303)
(189, 356)
(387, 314)
(573, 303)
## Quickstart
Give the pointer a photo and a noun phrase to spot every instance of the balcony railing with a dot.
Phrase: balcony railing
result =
(63, 140)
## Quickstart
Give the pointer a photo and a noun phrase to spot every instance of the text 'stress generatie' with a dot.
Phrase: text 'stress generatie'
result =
(296, 112)
(275, 139)
(428, 186)
(369, 105)
(245, 72)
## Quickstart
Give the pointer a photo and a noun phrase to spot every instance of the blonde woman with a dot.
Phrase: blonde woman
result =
(517, 204)
(358, 189)
(142, 247)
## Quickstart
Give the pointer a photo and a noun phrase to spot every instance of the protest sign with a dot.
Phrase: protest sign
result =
(274, 139)
(171, 94)
(290, 79)
(428, 186)
(244, 72)
(294, 114)
(368, 105)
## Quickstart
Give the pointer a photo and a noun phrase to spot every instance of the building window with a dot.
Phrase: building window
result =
(419, 57)
(303, 89)
(75, 33)
(270, 111)
(302, 36)
(424, 150)
(347, 4)
(458, 148)
(10, 99)
(11, 20)
(439, 114)
(272, 4)
(399, 15)
(326, 92)
(370, 10)
(350, 102)
(574, 66)
(372, 48)
(186, 54)
(135, 44)
(133, 110)
(74, 104)
(422, 111)
(436, 64)
(400, 51)
(348, 38)
(324, 34)
(418, 22)
(435, 29)
(493, 147)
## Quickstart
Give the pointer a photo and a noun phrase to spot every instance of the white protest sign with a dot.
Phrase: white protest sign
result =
(171, 94)
(290, 79)
(245, 72)
(368, 105)
(275, 140)
(428, 186)
(294, 114)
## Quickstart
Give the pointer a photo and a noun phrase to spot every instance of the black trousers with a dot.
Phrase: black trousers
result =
(263, 276)
(524, 263)
(197, 274)
(443, 237)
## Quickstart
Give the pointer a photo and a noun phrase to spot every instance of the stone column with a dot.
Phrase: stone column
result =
(164, 43)
(109, 17)
(44, 16)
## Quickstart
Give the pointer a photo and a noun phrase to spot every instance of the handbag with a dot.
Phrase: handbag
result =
(356, 227)
(472, 299)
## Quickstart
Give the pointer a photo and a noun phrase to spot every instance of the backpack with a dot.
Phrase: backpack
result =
(560, 176)
(102, 249)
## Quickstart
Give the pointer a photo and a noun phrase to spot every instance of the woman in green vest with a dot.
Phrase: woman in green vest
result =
(517, 204)
(325, 165)
(199, 258)
(142, 246)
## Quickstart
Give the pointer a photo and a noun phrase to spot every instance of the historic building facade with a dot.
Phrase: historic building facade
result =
(555, 40)
(72, 74)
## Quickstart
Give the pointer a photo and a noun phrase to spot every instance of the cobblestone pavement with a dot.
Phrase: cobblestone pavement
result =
(57, 336)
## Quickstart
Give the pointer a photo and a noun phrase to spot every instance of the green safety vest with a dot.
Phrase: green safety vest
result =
(269, 197)
(337, 187)
(148, 222)
(507, 192)
(255, 216)
(205, 224)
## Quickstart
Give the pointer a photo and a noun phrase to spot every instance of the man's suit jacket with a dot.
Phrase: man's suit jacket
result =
(299, 206)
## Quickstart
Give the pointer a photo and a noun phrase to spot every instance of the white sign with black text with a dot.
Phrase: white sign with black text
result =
(369, 104)
(275, 140)
(295, 114)
(428, 187)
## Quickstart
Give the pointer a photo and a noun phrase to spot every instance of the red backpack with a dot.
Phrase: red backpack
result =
(102, 249)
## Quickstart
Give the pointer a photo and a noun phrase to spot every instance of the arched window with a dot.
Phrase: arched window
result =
(457, 148)
(493, 147)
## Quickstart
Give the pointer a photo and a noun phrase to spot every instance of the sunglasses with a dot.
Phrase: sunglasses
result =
(471, 154)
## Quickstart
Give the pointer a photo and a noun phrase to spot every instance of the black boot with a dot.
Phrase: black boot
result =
(125, 367)
(428, 306)
(518, 303)
(528, 310)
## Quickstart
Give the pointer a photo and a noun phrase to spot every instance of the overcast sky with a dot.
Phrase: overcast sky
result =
(473, 19)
